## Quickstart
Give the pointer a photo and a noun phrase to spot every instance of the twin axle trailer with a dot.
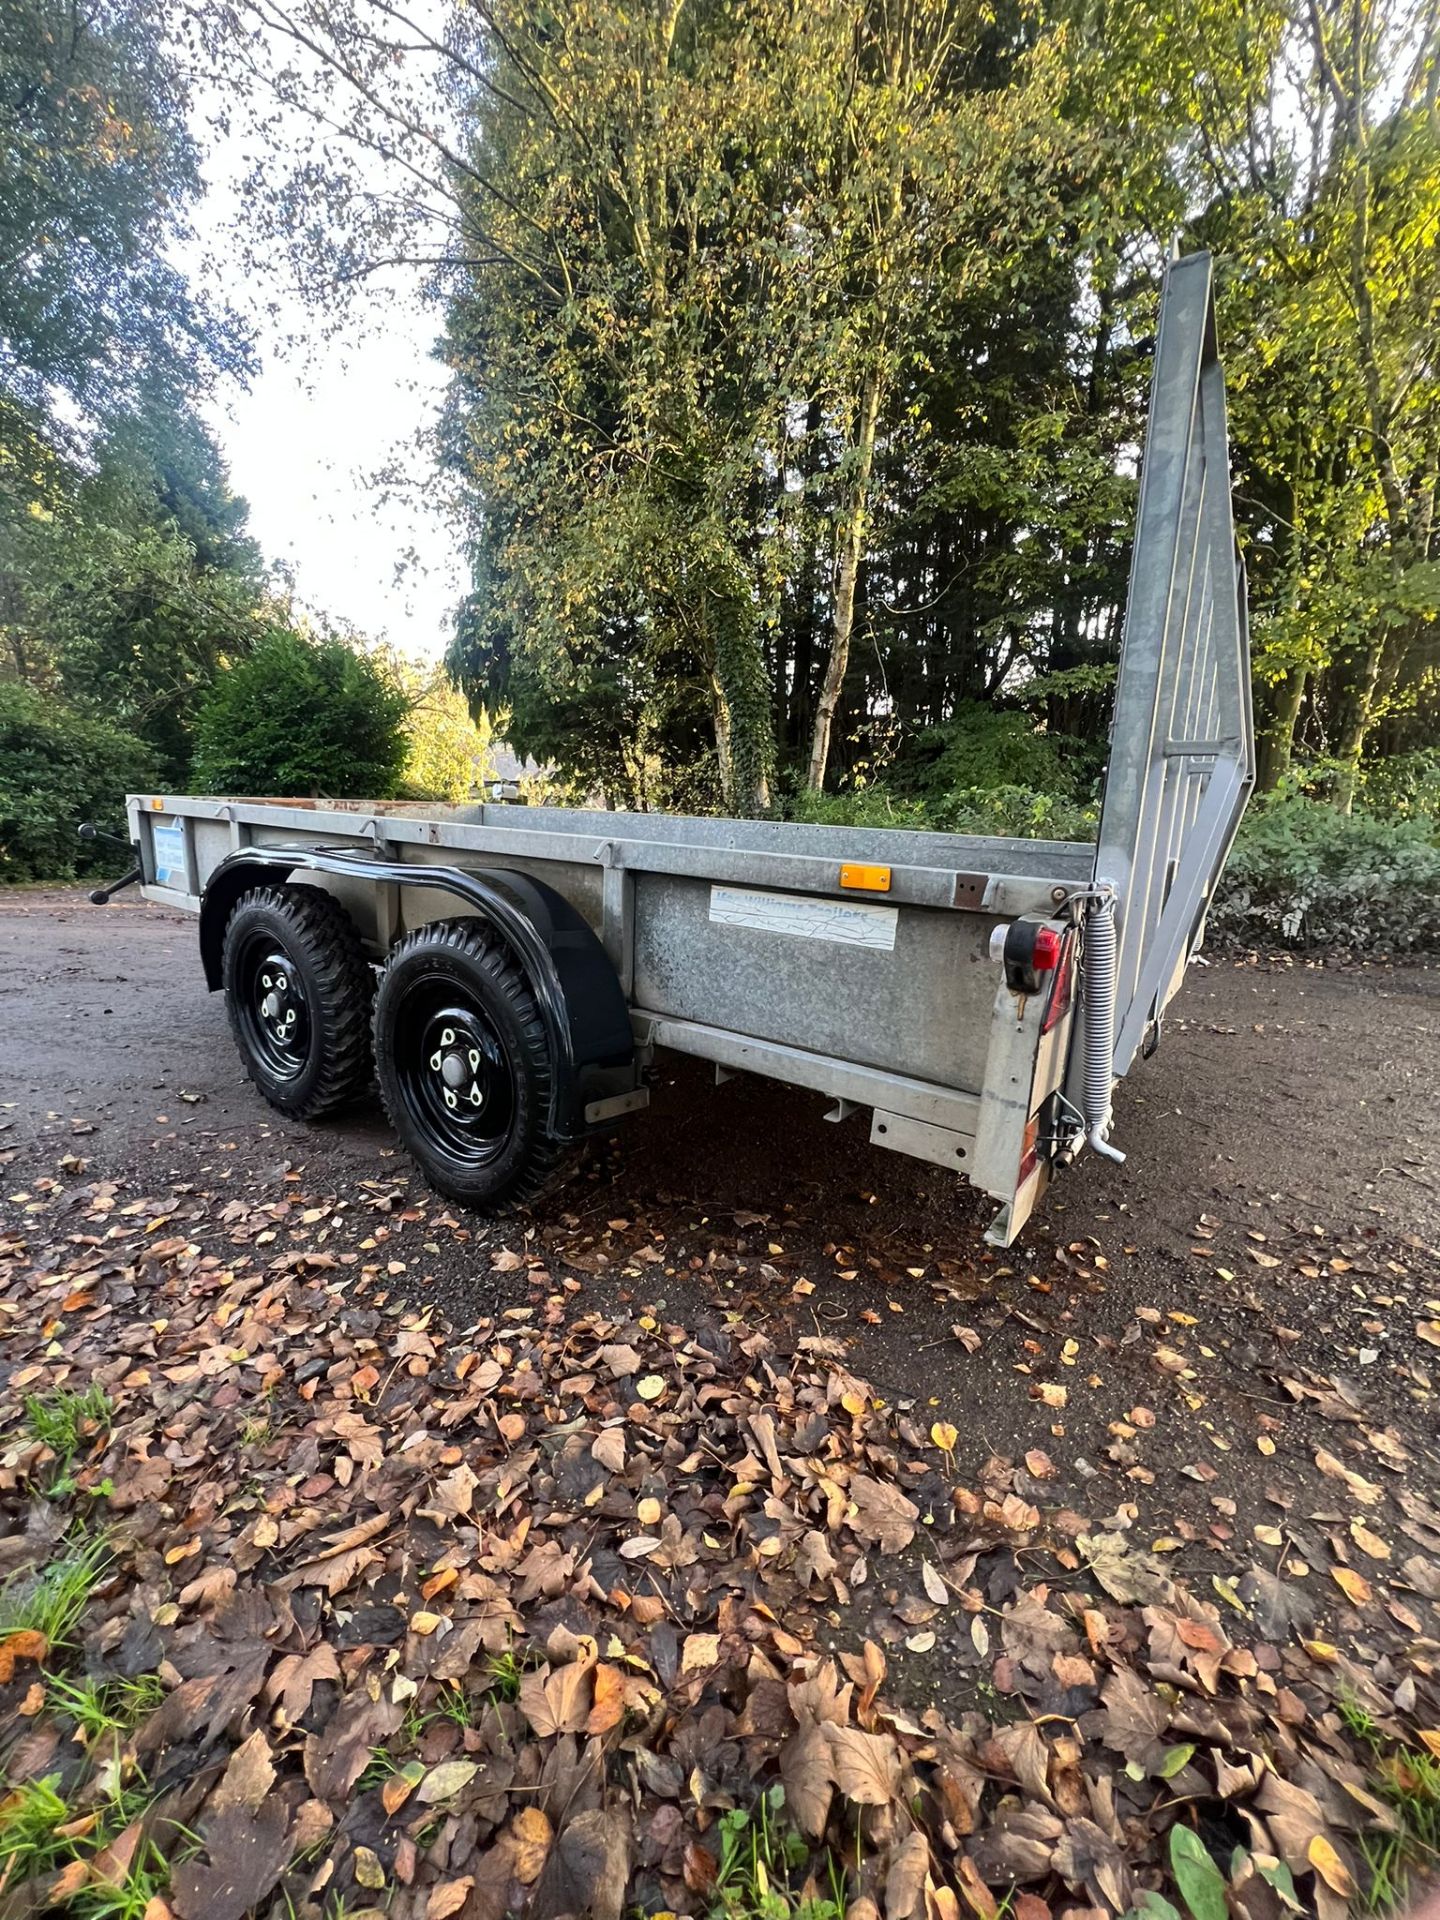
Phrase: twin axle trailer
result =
(505, 975)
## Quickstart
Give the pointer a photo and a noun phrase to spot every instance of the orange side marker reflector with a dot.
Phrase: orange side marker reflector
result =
(870, 879)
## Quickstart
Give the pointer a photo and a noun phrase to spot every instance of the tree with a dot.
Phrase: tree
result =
(303, 717)
(125, 573)
(1327, 201)
(446, 750)
(801, 354)
(128, 586)
(60, 766)
(96, 166)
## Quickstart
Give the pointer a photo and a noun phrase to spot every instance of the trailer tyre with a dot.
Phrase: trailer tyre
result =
(463, 1063)
(297, 991)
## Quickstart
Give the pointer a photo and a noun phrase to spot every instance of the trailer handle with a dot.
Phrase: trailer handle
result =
(101, 896)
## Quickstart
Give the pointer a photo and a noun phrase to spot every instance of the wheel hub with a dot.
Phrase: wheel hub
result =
(274, 1007)
(279, 1007)
(455, 1077)
(461, 1066)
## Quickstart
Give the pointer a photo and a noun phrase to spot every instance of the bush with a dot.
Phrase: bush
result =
(1304, 875)
(59, 766)
(872, 806)
(1015, 813)
(1006, 812)
(301, 717)
(982, 747)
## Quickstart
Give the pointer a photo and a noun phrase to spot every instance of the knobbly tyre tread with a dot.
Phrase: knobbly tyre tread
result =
(326, 936)
(549, 1162)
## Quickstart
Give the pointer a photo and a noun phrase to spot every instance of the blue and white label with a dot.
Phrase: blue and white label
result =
(806, 916)
(169, 840)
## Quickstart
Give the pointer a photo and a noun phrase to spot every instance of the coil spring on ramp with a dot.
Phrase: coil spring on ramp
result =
(1098, 1026)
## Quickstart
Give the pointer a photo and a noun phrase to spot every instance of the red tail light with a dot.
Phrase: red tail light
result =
(1049, 945)
(1063, 984)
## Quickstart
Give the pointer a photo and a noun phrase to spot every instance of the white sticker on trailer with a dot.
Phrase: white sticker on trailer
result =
(849, 923)
(169, 854)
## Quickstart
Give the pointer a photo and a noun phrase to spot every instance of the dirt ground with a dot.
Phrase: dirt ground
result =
(1186, 1340)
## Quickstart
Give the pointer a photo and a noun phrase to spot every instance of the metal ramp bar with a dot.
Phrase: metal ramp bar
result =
(1182, 747)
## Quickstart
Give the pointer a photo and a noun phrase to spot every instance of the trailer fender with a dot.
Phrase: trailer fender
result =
(580, 997)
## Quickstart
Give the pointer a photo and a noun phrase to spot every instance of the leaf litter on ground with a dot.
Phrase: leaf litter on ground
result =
(523, 1617)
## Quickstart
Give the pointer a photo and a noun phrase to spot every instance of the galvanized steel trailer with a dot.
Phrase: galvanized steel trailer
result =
(978, 998)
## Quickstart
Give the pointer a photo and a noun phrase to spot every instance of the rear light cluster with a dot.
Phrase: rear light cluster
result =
(1031, 951)
(1045, 954)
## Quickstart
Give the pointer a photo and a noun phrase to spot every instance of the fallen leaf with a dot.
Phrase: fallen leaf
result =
(588, 1869)
(1330, 1867)
(532, 1833)
(1196, 1874)
(809, 1783)
(245, 1853)
(883, 1515)
(1354, 1586)
(865, 1766)
(448, 1897)
(248, 1777)
(24, 1644)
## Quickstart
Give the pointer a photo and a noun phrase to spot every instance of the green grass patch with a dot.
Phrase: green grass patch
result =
(52, 1600)
(67, 1423)
(33, 1845)
(64, 1420)
(98, 1707)
(503, 1674)
(1407, 1779)
(761, 1856)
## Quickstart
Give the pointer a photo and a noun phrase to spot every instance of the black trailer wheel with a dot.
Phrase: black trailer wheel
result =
(297, 990)
(463, 1063)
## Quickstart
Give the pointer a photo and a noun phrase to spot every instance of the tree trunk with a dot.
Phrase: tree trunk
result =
(852, 541)
(1278, 740)
(740, 699)
(720, 708)
(1359, 716)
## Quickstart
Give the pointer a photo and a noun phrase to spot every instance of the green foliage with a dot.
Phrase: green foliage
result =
(1398, 1859)
(124, 570)
(303, 717)
(446, 749)
(1007, 812)
(53, 1600)
(673, 367)
(33, 1842)
(1200, 1881)
(100, 1707)
(761, 1855)
(65, 1419)
(60, 765)
(1406, 786)
(96, 164)
(133, 582)
(981, 746)
(1304, 874)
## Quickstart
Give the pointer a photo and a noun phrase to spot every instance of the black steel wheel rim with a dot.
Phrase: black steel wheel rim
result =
(274, 1012)
(453, 1072)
